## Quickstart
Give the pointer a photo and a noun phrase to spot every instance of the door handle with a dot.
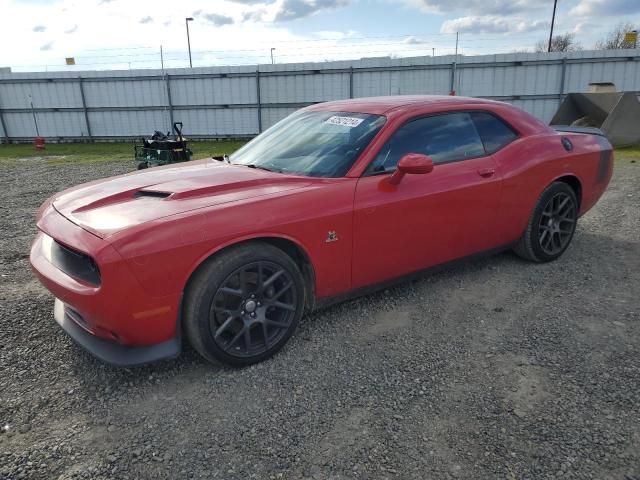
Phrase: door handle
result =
(486, 172)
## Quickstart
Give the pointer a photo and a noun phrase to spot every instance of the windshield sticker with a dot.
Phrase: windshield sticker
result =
(350, 122)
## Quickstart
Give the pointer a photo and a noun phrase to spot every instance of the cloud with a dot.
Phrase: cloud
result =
(47, 46)
(39, 28)
(254, 15)
(582, 27)
(335, 34)
(294, 9)
(252, 2)
(102, 2)
(480, 7)
(146, 19)
(491, 24)
(167, 23)
(605, 7)
(217, 20)
(72, 29)
(413, 41)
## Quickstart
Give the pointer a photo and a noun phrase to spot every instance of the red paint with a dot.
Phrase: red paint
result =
(412, 163)
(39, 143)
(147, 248)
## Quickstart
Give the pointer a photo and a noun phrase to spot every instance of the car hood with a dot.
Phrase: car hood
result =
(105, 207)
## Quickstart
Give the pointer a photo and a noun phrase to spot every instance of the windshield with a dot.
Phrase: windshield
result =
(316, 144)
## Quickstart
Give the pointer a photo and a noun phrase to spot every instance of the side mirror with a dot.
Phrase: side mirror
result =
(414, 163)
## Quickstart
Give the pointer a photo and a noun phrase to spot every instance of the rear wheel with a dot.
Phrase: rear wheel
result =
(551, 226)
(242, 306)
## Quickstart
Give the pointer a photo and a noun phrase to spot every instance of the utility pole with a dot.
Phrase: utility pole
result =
(457, 46)
(433, 51)
(186, 22)
(454, 68)
(553, 21)
(272, 49)
(161, 59)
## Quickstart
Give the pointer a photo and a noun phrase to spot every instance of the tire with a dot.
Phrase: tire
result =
(254, 288)
(556, 213)
(143, 165)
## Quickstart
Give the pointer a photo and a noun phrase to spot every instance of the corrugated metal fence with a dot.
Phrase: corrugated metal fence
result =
(219, 102)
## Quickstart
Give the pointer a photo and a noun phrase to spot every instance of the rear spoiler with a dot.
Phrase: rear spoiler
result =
(584, 130)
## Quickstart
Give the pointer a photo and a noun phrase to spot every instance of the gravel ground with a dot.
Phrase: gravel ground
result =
(497, 369)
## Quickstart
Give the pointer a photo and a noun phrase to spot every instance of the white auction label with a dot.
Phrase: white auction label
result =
(350, 122)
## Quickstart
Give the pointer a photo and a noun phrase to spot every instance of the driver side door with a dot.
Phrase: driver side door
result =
(426, 219)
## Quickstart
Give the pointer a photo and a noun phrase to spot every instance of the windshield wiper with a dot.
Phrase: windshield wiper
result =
(259, 167)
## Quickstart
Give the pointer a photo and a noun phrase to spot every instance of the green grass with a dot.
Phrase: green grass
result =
(628, 153)
(59, 153)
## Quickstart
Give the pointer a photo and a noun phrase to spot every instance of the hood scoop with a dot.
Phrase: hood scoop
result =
(151, 194)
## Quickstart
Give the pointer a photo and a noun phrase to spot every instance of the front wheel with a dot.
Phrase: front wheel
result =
(551, 226)
(243, 305)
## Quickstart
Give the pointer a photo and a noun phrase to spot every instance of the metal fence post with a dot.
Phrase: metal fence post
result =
(169, 103)
(563, 76)
(4, 127)
(453, 79)
(84, 108)
(258, 103)
(351, 82)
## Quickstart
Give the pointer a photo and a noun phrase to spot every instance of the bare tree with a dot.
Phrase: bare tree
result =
(615, 38)
(559, 43)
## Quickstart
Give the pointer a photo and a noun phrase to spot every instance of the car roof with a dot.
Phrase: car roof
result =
(382, 105)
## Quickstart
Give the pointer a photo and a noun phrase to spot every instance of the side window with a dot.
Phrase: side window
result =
(443, 137)
(494, 132)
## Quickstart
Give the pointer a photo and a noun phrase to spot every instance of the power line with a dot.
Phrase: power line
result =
(345, 46)
(311, 48)
(363, 37)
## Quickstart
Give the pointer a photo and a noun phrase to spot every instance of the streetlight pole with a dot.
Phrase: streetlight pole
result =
(553, 20)
(272, 49)
(186, 22)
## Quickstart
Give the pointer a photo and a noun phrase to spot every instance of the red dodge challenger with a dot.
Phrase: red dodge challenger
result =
(334, 200)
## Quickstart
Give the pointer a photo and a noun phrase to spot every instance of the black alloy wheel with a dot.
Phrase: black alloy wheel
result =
(557, 223)
(253, 309)
(243, 304)
(551, 225)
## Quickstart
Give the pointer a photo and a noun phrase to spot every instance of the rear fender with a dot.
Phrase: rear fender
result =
(532, 165)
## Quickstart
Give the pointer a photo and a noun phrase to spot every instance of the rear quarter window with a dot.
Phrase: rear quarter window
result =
(494, 132)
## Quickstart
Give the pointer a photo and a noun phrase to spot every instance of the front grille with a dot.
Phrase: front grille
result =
(75, 264)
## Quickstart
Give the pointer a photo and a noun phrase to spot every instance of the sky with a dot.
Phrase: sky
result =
(38, 35)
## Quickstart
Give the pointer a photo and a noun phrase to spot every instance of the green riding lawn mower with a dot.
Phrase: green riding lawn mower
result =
(162, 150)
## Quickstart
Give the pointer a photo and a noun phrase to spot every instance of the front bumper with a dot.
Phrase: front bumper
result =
(118, 320)
(109, 351)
